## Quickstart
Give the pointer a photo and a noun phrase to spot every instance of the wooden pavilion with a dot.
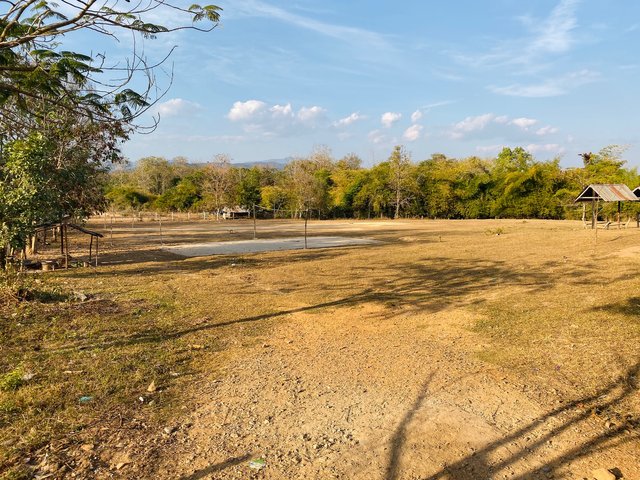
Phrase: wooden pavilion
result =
(62, 227)
(605, 192)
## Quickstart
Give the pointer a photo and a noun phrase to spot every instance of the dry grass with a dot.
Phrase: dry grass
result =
(556, 306)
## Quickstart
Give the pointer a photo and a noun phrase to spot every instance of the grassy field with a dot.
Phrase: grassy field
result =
(95, 359)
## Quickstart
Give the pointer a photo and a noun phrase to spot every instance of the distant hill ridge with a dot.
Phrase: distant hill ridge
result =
(277, 163)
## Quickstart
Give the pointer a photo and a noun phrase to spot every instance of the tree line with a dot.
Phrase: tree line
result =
(512, 185)
(64, 114)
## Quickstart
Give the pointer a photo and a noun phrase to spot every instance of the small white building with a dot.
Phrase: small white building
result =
(231, 213)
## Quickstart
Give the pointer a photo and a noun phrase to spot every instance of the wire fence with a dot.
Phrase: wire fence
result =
(160, 228)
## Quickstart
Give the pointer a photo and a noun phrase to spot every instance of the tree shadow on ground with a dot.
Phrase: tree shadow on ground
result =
(400, 289)
(218, 467)
(491, 459)
(400, 435)
(167, 263)
(631, 307)
(426, 286)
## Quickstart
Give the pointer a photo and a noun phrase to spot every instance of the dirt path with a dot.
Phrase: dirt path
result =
(448, 350)
(349, 393)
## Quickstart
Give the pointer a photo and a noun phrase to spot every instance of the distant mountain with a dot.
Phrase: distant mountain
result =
(277, 163)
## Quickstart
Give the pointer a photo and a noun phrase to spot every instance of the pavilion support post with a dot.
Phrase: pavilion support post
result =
(619, 211)
(61, 239)
(90, 249)
(594, 215)
(306, 219)
(96, 252)
(66, 247)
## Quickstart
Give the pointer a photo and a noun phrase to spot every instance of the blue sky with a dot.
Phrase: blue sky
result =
(462, 78)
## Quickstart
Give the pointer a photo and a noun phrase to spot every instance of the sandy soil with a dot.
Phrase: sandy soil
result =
(396, 388)
(354, 396)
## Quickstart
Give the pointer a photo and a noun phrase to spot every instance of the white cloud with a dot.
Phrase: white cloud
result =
(177, 106)
(416, 116)
(545, 148)
(389, 118)
(261, 120)
(554, 34)
(281, 110)
(552, 87)
(430, 106)
(523, 122)
(309, 114)
(412, 133)
(471, 124)
(346, 121)
(489, 148)
(489, 126)
(242, 111)
(531, 148)
(377, 137)
(547, 130)
(351, 35)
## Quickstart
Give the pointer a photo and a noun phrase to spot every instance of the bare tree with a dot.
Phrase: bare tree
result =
(400, 167)
(218, 183)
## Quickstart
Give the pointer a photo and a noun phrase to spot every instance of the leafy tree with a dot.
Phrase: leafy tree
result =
(128, 198)
(376, 194)
(531, 193)
(63, 113)
(24, 194)
(248, 184)
(436, 180)
(56, 171)
(513, 184)
(34, 68)
(347, 180)
(179, 198)
(510, 160)
(473, 188)
(274, 198)
(155, 175)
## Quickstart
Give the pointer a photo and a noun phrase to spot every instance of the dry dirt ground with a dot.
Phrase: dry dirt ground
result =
(451, 350)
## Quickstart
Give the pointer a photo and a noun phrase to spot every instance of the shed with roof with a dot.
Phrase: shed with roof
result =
(606, 192)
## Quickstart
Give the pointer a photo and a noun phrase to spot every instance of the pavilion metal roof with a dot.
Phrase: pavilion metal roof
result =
(636, 191)
(607, 192)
